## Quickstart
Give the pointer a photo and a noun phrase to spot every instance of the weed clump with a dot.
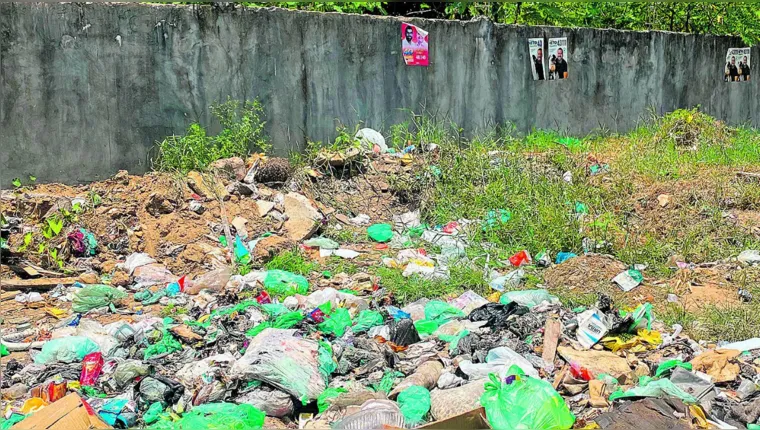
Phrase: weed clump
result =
(691, 129)
(242, 131)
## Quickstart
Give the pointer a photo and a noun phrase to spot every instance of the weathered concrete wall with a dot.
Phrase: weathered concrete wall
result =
(86, 89)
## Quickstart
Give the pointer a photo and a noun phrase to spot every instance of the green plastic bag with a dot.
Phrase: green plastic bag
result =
(254, 331)
(387, 381)
(669, 365)
(654, 388)
(453, 341)
(641, 313)
(10, 422)
(322, 243)
(166, 345)
(95, 296)
(380, 232)
(366, 320)
(66, 349)
(440, 312)
(288, 320)
(529, 298)
(3, 350)
(414, 403)
(525, 403)
(329, 393)
(325, 360)
(216, 416)
(153, 413)
(242, 255)
(281, 284)
(336, 323)
(426, 327)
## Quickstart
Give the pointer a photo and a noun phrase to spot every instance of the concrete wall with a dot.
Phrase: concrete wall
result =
(86, 89)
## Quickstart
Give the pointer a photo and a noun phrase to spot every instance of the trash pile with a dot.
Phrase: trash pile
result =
(243, 346)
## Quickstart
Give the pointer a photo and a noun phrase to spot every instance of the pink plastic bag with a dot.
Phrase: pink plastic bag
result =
(92, 365)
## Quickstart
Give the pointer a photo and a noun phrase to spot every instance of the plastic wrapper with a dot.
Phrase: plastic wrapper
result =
(95, 296)
(374, 414)
(523, 402)
(219, 416)
(214, 280)
(153, 274)
(468, 301)
(66, 350)
(281, 284)
(509, 281)
(92, 365)
(135, 260)
(414, 403)
(283, 361)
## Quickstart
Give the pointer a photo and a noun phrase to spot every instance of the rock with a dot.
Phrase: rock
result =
(264, 207)
(663, 200)
(89, 278)
(239, 223)
(268, 247)
(241, 189)
(235, 166)
(119, 278)
(202, 185)
(158, 205)
(122, 177)
(194, 252)
(369, 138)
(303, 218)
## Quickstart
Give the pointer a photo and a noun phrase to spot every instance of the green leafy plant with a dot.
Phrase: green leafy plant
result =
(27, 241)
(95, 199)
(16, 182)
(242, 131)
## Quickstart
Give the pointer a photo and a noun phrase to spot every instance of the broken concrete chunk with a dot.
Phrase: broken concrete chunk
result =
(235, 166)
(303, 218)
(206, 186)
(264, 207)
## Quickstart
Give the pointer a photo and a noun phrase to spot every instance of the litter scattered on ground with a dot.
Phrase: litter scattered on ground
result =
(211, 333)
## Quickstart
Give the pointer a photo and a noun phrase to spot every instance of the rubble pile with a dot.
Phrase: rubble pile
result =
(201, 332)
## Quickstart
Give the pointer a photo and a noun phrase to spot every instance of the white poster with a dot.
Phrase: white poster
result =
(737, 65)
(536, 48)
(558, 58)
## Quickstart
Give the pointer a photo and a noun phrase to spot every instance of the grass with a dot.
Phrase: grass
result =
(292, 261)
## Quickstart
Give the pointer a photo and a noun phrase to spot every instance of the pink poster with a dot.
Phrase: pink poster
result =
(414, 45)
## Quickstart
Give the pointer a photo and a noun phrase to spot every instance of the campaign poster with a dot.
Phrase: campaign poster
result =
(536, 48)
(414, 45)
(737, 65)
(558, 58)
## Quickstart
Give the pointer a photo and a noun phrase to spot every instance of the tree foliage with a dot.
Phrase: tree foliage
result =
(736, 18)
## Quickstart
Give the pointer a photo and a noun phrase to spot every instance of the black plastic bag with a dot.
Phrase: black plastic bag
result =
(403, 332)
(497, 314)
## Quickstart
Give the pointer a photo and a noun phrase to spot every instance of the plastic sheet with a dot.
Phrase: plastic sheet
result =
(66, 350)
(330, 393)
(529, 298)
(283, 361)
(366, 320)
(440, 312)
(380, 232)
(274, 403)
(95, 296)
(336, 323)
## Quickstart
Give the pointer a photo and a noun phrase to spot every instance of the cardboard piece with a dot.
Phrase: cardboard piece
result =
(474, 419)
(71, 412)
(552, 332)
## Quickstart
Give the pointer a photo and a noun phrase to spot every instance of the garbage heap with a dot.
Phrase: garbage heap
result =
(271, 348)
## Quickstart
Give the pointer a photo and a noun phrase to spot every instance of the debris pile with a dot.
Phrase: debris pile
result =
(195, 328)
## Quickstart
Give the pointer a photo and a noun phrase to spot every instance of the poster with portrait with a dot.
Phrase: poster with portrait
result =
(537, 67)
(414, 45)
(737, 66)
(558, 55)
